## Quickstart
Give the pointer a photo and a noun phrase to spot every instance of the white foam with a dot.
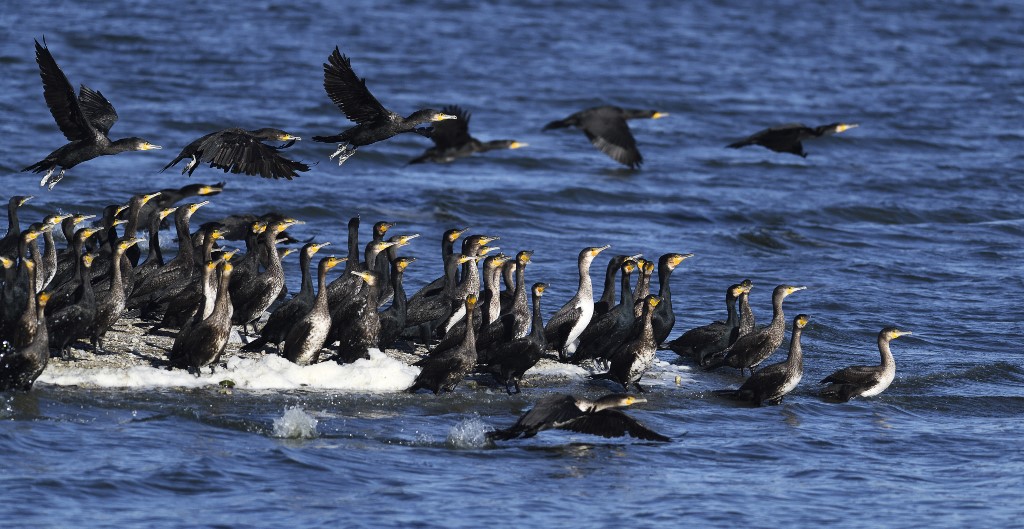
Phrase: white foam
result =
(295, 424)
(380, 373)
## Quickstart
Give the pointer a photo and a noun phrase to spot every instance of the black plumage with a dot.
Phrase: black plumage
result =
(306, 336)
(21, 366)
(606, 128)
(373, 122)
(580, 415)
(508, 361)
(864, 381)
(452, 140)
(235, 150)
(443, 372)
(699, 342)
(76, 320)
(9, 243)
(771, 383)
(84, 119)
(751, 349)
(788, 138)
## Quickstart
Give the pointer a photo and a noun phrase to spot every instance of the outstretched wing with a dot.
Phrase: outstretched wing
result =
(97, 109)
(60, 97)
(349, 92)
(242, 153)
(451, 133)
(613, 423)
(611, 135)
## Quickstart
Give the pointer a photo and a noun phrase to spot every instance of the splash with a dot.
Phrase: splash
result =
(470, 433)
(295, 424)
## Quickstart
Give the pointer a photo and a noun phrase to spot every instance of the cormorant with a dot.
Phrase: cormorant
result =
(392, 320)
(171, 196)
(75, 320)
(9, 243)
(788, 138)
(576, 414)
(508, 361)
(606, 128)
(631, 360)
(288, 313)
(255, 296)
(663, 319)
(237, 150)
(604, 336)
(21, 366)
(699, 342)
(864, 381)
(747, 321)
(204, 342)
(563, 330)
(751, 349)
(305, 338)
(452, 140)
(110, 300)
(444, 371)
(771, 383)
(356, 326)
(447, 248)
(176, 275)
(84, 119)
(373, 122)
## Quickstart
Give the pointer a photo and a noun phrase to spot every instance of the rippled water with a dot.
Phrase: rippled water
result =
(914, 219)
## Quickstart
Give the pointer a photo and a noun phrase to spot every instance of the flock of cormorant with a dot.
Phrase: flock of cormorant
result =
(474, 317)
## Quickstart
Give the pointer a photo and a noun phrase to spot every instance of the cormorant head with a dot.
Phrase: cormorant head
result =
(590, 253)
(513, 144)
(286, 252)
(128, 243)
(7, 262)
(403, 262)
(21, 200)
(801, 321)
(368, 277)
(226, 256)
(653, 301)
(332, 261)
(89, 232)
(495, 261)
(206, 190)
(381, 228)
(52, 220)
(225, 268)
(402, 240)
(539, 288)
(891, 333)
(42, 298)
(524, 256)
(166, 211)
(87, 259)
(463, 258)
(785, 290)
(453, 235)
(484, 250)
(747, 285)
(617, 400)
(648, 267)
(78, 219)
(274, 134)
(470, 301)
(672, 260)
(192, 208)
(628, 266)
(312, 248)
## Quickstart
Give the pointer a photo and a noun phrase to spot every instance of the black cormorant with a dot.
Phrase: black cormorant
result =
(663, 319)
(9, 243)
(788, 138)
(236, 150)
(305, 338)
(699, 342)
(771, 383)
(632, 359)
(373, 122)
(76, 319)
(452, 140)
(84, 119)
(508, 361)
(864, 381)
(606, 128)
(21, 366)
(575, 414)
(444, 371)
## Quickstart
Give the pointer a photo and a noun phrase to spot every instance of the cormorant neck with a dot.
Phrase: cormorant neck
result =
(121, 145)
(353, 246)
(883, 348)
(664, 290)
(321, 283)
(608, 295)
(537, 330)
(796, 357)
(306, 287)
(730, 306)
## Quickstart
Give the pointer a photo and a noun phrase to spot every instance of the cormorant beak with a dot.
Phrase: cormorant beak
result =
(333, 261)
(151, 196)
(659, 115)
(226, 256)
(680, 258)
(598, 250)
(120, 209)
(130, 242)
(484, 250)
(82, 218)
(288, 137)
(118, 222)
(146, 146)
(209, 190)
(165, 212)
(60, 218)
(517, 145)
(193, 207)
(316, 247)
(485, 240)
(898, 333)
(441, 117)
(846, 126)
(467, 258)
(287, 252)
(404, 239)
(24, 200)
(794, 289)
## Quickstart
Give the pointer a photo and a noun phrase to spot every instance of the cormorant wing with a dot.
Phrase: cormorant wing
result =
(190, 150)
(239, 152)
(611, 134)
(349, 92)
(558, 327)
(451, 133)
(613, 423)
(60, 98)
(97, 109)
(767, 377)
(854, 375)
(552, 411)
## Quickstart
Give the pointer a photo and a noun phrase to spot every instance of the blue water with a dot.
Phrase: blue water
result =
(915, 219)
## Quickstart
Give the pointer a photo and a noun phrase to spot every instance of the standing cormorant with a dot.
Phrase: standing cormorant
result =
(9, 243)
(606, 333)
(663, 319)
(452, 140)
(864, 381)
(255, 296)
(203, 343)
(75, 320)
(444, 371)
(563, 330)
(84, 119)
(788, 138)
(236, 150)
(606, 128)
(751, 349)
(580, 415)
(110, 300)
(508, 361)
(392, 320)
(633, 358)
(771, 383)
(305, 338)
(373, 122)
